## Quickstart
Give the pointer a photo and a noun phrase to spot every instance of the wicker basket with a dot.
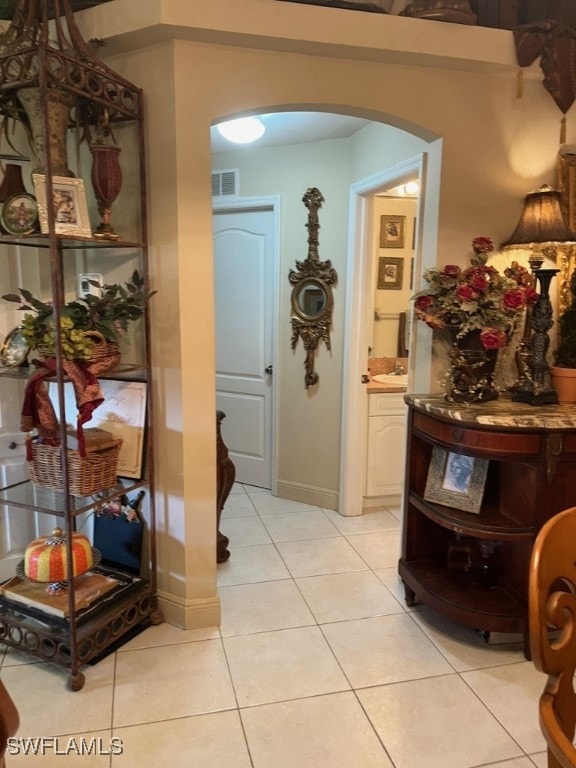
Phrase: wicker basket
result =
(96, 472)
(105, 355)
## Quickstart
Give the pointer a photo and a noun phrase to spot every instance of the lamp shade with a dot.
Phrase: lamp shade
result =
(541, 221)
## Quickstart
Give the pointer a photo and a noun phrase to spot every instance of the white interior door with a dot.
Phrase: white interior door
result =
(245, 301)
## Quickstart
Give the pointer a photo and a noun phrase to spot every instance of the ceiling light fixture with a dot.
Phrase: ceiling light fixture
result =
(411, 188)
(244, 130)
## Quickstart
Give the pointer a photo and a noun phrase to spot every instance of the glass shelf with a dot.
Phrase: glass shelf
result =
(29, 496)
(65, 242)
(124, 372)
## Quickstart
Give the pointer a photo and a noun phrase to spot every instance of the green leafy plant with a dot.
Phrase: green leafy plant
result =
(107, 312)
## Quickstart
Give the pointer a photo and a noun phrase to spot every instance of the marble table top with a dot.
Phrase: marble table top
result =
(499, 413)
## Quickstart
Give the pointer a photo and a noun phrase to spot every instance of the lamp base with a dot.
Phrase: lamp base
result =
(536, 398)
(535, 387)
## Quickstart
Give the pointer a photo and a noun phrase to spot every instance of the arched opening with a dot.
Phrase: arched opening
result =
(354, 157)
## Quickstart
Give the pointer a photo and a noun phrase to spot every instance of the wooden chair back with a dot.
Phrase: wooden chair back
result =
(552, 617)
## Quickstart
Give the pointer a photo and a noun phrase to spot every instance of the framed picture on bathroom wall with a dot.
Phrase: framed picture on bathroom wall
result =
(390, 273)
(392, 231)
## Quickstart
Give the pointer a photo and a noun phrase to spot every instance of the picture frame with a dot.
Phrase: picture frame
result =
(456, 480)
(390, 273)
(19, 214)
(70, 207)
(14, 349)
(123, 413)
(392, 231)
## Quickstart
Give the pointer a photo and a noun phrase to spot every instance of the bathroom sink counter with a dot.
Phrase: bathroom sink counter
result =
(375, 387)
(385, 365)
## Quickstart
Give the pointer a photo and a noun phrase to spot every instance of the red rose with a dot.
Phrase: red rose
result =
(451, 270)
(423, 302)
(492, 338)
(482, 245)
(531, 295)
(514, 300)
(465, 293)
(479, 282)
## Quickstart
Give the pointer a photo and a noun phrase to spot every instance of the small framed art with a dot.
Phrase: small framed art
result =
(392, 231)
(69, 202)
(390, 273)
(20, 215)
(14, 349)
(456, 480)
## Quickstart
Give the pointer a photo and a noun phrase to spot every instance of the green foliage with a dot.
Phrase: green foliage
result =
(109, 312)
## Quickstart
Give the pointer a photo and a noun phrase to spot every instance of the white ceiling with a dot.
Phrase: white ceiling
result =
(295, 128)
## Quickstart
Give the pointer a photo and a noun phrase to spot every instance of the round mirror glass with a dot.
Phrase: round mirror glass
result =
(311, 299)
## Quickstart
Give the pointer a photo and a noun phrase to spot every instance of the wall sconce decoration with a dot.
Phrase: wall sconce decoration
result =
(541, 229)
(312, 299)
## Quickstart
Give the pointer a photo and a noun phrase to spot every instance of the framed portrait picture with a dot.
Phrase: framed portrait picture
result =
(69, 203)
(392, 231)
(456, 480)
(390, 273)
(123, 413)
(20, 215)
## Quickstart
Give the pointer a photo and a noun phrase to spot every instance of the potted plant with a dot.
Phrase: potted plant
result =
(563, 371)
(481, 309)
(90, 326)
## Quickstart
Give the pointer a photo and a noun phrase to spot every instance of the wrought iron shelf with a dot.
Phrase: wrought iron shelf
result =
(122, 373)
(106, 626)
(67, 243)
(26, 495)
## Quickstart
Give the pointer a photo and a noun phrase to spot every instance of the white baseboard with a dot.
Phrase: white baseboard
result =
(390, 500)
(307, 494)
(190, 614)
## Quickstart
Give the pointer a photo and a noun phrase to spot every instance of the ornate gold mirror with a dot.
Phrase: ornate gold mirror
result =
(312, 299)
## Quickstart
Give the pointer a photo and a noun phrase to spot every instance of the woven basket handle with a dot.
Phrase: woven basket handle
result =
(96, 337)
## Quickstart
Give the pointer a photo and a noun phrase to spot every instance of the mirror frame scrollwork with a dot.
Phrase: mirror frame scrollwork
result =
(312, 328)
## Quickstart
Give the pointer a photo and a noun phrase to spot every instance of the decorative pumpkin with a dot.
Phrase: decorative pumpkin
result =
(46, 557)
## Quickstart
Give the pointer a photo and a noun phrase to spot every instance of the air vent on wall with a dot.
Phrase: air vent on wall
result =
(225, 183)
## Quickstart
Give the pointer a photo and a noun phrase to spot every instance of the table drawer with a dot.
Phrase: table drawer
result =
(474, 440)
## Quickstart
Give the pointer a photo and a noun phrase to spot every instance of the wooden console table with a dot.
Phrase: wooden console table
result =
(531, 476)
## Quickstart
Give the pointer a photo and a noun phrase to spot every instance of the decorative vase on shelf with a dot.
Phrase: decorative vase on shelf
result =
(472, 369)
(58, 108)
(12, 183)
(107, 184)
(486, 568)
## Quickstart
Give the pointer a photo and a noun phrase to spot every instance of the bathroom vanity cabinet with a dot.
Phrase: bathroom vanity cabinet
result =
(386, 443)
(530, 459)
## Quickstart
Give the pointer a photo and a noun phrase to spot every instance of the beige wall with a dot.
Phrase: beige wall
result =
(455, 88)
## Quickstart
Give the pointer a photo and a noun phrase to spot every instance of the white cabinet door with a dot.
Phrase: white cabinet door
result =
(386, 450)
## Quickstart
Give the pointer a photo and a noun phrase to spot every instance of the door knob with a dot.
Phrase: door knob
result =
(268, 369)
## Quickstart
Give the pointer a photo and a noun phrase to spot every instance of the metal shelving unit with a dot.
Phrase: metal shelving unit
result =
(52, 57)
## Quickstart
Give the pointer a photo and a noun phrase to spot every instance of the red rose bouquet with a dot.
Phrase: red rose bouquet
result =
(477, 298)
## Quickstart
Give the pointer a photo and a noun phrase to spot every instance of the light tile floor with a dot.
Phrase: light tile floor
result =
(318, 664)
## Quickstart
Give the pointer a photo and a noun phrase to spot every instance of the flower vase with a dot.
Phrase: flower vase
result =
(107, 183)
(12, 184)
(472, 369)
(58, 107)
